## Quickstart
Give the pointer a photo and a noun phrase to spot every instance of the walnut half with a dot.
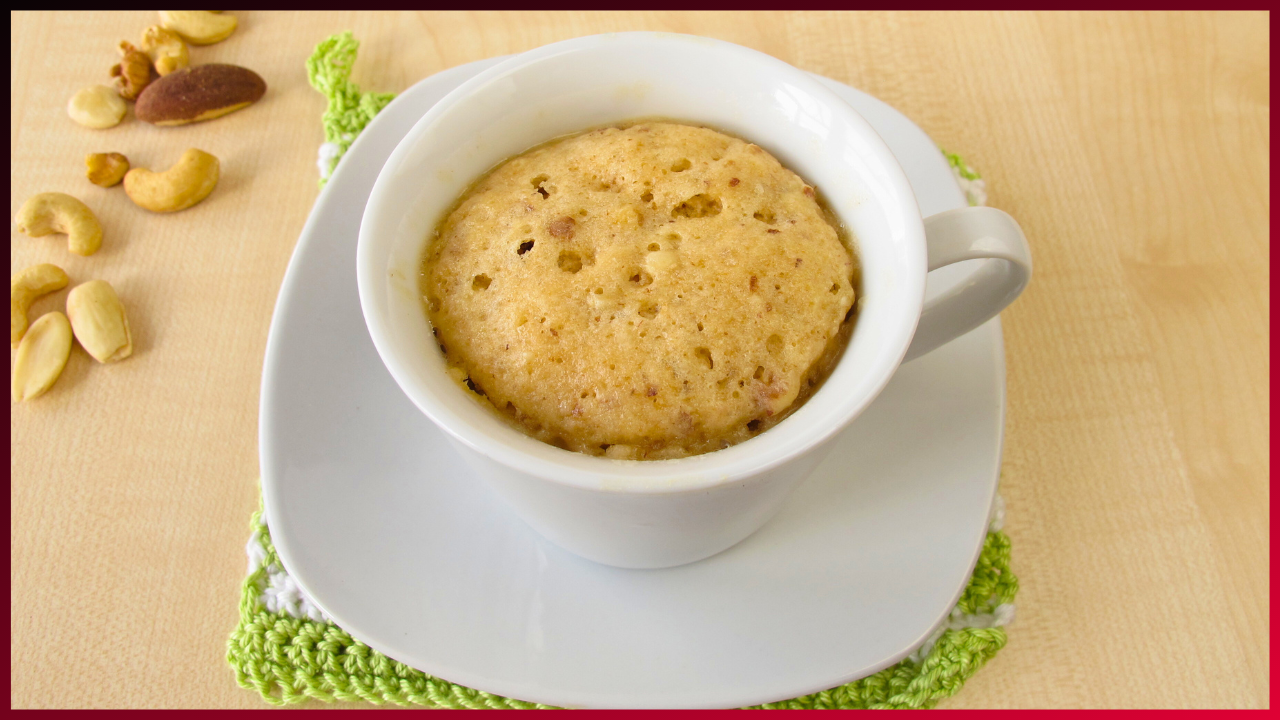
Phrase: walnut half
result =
(133, 73)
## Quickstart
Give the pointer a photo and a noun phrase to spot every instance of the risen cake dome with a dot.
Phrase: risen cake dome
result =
(646, 292)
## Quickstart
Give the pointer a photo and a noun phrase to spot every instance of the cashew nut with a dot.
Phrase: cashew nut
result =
(99, 322)
(55, 212)
(105, 169)
(41, 356)
(165, 48)
(97, 107)
(25, 287)
(199, 27)
(178, 188)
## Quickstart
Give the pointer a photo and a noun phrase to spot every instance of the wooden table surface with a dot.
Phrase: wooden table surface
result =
(1133, 149)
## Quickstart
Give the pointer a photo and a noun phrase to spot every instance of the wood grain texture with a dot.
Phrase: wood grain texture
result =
(1133, 148)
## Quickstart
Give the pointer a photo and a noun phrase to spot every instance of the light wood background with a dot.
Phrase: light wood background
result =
(1133, 149)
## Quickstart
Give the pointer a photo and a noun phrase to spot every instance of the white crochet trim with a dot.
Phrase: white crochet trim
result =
(328, 160)
(997, 515)
(281, 594)
(999, 617)
(257, 555)
(975, 190)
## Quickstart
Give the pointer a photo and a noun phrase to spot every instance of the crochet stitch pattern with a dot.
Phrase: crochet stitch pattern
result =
(288, 651)
(329, 71)
(288, 659)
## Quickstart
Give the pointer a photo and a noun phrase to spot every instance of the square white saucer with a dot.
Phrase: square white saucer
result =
(381, 524)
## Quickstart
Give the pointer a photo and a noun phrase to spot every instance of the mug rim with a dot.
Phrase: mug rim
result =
(573, 469)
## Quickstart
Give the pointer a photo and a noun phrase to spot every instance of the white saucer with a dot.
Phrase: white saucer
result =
(379, 522)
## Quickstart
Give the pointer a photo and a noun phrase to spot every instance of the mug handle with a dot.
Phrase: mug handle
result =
(971, 233)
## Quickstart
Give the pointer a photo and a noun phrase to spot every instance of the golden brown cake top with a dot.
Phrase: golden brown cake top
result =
(646, 292)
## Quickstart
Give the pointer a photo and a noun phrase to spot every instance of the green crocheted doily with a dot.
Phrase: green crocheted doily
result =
(288, 651)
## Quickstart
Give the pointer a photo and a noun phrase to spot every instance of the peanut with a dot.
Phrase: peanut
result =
(41, 356)
(24, 288)
(99, 322)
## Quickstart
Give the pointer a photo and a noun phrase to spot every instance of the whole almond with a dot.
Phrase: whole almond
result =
(98, 319)
(41, 356)
(201, 92)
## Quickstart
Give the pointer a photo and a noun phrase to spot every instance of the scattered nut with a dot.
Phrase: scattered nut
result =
(98, 319)
(202, 92)
(41, 356)
(165, 48)
(106, 169)
(55, 212)
(133, 72)
(178, 188)
(25, 287)
(97, 107)
(199, 27)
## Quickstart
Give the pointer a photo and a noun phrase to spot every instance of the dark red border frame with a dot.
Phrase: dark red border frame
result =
(676, 714)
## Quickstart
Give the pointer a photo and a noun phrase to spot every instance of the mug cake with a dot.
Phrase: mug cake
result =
(644, 291)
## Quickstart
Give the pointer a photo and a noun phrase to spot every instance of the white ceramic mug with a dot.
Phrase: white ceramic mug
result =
(651, 514)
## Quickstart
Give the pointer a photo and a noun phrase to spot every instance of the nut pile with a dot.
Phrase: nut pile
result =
(157, 73)
(167, 90)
